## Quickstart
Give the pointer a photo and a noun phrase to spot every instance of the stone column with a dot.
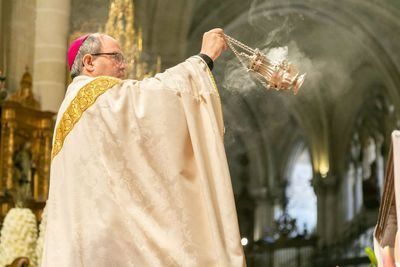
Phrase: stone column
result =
(264, 216)
(358, 203)
(350, 185)
(51, 36)
(380, 163)
(18, 39)
(326, 190)
(331, 214)
(320, 193)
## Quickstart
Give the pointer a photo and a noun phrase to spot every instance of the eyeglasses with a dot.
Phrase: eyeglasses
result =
(118, 57)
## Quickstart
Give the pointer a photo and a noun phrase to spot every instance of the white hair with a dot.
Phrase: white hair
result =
(91, 45)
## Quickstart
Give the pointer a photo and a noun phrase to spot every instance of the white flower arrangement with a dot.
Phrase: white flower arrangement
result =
(18, 236)
(40, 240)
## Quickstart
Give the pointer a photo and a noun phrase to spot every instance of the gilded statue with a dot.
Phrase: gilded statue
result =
(24, 95)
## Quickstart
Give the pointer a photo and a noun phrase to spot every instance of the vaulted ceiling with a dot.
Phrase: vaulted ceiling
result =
(349, 49)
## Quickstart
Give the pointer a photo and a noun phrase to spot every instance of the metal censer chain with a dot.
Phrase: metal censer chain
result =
(280, 75)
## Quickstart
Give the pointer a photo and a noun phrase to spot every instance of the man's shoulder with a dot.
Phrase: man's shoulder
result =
(104, 81)
(87, 87)
(83, 79)
(82, 82)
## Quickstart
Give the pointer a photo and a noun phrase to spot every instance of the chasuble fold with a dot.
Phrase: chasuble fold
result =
(139, 175)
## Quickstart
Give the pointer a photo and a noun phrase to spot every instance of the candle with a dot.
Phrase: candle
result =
(140, 40)
(4, 58)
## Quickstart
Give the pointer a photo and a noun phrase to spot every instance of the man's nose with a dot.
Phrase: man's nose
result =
(124, 65)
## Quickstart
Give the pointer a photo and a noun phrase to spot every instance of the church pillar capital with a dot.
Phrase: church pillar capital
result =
(324, 184)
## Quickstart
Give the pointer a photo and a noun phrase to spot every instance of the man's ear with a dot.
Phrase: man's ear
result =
(87, 61)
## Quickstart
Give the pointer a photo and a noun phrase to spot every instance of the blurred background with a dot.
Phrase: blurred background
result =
(307, 170)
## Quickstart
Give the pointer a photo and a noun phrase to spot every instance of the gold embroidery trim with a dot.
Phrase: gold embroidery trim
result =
(211, 76)
(213, 81)
(86, 97)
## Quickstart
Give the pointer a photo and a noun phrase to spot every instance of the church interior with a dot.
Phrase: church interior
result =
(308, 170)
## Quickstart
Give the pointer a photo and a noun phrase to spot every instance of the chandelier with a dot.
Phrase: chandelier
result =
(121, 25)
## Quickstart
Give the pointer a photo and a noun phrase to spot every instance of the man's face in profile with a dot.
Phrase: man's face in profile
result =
(110, 60)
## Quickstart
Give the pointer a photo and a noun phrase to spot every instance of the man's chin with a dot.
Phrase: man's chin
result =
(120, 75)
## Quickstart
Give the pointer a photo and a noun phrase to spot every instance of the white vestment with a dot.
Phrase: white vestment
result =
(139, 175)
(386, 235)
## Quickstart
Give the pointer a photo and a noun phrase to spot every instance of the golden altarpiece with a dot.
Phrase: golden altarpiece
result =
(25, 150)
